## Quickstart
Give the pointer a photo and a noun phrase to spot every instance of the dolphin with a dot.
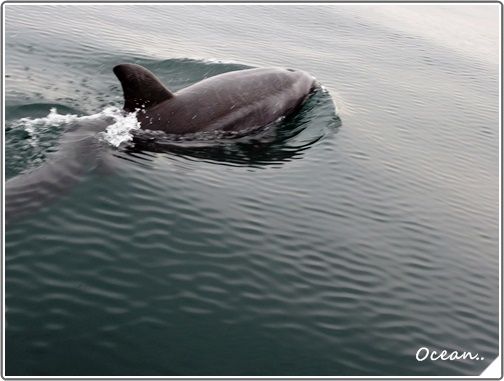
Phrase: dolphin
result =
(237, 101)
(80, 151)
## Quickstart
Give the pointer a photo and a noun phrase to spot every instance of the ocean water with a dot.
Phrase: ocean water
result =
(355, 233)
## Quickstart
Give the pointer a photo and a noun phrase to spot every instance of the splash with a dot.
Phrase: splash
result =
(121, 130)
(44, 128)
(37, 128)
(51, 120)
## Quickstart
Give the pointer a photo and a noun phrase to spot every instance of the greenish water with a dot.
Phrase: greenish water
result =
(339, 247)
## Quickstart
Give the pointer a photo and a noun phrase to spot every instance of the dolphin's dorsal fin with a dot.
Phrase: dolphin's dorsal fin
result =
(141, 88)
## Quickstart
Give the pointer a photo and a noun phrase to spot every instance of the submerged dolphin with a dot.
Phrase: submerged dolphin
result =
(236, 101)
(79, 152)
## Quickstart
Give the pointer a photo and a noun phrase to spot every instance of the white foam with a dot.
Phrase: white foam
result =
(120, 131)
(38, 126)
(52, 120)
(115, 134)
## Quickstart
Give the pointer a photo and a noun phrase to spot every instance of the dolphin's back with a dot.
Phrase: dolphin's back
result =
(239, 100)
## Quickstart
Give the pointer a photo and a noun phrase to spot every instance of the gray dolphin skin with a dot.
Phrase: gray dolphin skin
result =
(241, 100)
(79, 152)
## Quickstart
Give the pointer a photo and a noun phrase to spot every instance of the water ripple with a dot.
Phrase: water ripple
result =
(329, 249)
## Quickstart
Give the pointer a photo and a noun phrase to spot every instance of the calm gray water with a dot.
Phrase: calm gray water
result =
(355, 237)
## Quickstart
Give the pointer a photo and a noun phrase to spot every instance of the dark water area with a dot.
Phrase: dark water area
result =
(338, 243)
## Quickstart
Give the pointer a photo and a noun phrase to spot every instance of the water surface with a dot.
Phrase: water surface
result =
(339, 248)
